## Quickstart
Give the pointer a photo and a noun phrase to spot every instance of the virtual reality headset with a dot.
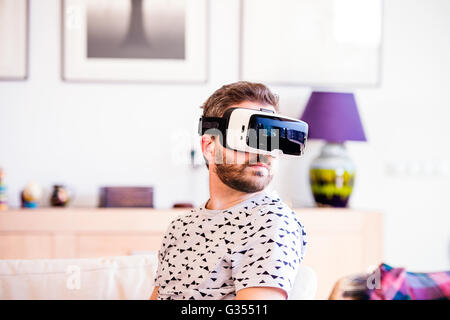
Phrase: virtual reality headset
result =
(257, 131)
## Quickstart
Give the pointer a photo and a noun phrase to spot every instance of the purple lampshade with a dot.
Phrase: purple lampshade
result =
(333, 116)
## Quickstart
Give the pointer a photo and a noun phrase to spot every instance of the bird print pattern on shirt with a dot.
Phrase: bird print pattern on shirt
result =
(212, 254)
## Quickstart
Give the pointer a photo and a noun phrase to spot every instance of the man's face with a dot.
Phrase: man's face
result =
(244, 171)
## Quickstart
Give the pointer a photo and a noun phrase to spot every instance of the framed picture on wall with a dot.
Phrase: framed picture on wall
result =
(13, 39)
(321, 43)
(135, 40)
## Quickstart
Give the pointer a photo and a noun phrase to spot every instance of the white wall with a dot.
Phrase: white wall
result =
(89, 135)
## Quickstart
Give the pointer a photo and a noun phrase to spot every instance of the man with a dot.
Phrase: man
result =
(244, 242)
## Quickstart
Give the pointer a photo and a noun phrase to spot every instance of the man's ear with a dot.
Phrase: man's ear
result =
(208, 148)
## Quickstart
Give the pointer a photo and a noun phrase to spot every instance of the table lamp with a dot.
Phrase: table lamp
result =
(333, 117)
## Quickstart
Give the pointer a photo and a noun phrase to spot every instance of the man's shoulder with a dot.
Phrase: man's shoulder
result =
(274, 211)
(191, 214)
(273, 220)
(183, 219)
(278, 211)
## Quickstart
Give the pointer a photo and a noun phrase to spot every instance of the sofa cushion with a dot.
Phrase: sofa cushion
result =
(305, 284)
(121, 277)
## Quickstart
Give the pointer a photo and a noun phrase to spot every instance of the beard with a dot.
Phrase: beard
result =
(242, 178)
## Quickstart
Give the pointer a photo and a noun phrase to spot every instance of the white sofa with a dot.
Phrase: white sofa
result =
(121, 277)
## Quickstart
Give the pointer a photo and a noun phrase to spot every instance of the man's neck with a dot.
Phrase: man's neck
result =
(223, 197)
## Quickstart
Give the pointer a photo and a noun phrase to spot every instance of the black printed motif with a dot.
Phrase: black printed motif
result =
(212, 254)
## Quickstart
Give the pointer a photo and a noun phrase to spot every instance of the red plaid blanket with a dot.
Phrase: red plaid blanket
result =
(398, 284)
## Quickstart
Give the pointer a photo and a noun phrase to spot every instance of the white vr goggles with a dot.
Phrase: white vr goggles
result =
(257, 131)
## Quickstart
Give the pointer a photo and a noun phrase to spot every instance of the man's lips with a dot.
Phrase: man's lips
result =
(259, 165)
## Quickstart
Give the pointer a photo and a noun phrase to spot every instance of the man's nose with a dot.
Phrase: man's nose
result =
(264, 158)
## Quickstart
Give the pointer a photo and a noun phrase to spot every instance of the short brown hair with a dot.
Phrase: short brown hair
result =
(236, 93)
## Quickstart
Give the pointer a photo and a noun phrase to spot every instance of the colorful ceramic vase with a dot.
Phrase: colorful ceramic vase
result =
(60, 196)
(31, 195)
(332, 176)
(3, 196)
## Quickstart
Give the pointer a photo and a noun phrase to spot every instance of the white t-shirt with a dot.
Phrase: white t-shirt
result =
(212, 254)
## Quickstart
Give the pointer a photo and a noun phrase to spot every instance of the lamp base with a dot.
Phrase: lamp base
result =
(331, 176)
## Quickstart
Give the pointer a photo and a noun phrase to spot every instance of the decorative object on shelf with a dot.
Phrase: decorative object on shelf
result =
(31, 195)
(14, 39)
(60, 196)
(182, 205)
(3, 195)
(312, 42)
(126, 197)
(135, 40)
(333, 117)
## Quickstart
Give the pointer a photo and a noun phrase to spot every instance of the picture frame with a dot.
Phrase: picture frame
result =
(135, 41)
(314, 42)
(14, 29)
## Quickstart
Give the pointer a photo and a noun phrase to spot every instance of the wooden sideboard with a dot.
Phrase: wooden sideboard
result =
(340, 241)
